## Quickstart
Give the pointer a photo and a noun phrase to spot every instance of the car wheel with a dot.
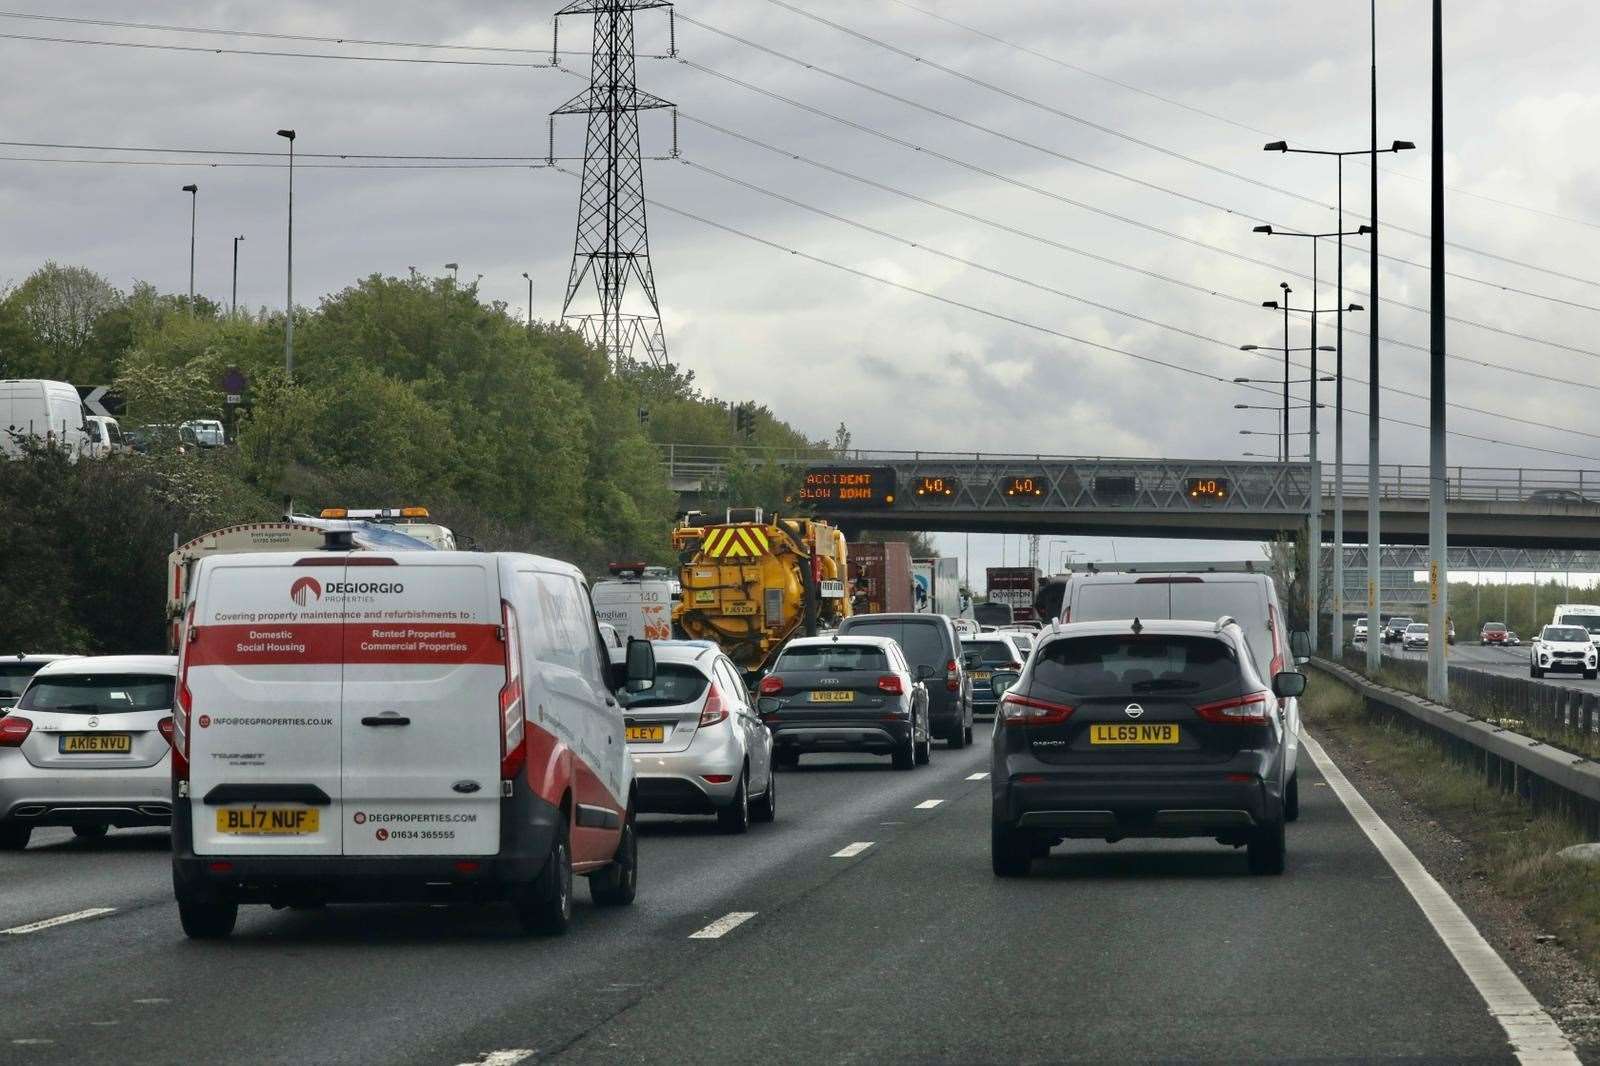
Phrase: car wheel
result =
(1534, 671)
(968, 734)
(618, 883)
(788, 760)
(90, 832)
(14, 837)
(765, 809)
(924, 751)
(1590, 675)
(905, 756)
(206, 919)
(735, 817)
(1291, 800)
(1010, 851)
(1267, 849)
(547, 905)
(957, 740)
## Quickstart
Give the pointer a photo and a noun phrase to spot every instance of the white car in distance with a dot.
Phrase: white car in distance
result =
(1563, 648)
(1415, 638)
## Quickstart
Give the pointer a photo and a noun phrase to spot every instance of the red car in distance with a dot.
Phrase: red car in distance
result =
(1493, 633)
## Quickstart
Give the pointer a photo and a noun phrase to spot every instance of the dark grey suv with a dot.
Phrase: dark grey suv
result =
(928, 640)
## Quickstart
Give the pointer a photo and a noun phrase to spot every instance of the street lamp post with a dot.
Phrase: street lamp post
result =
(1285, 349)
(530, 300)
(288, 304)
(235, 307)
(1314, 555)
(194, 215)
(1439, 562)
(455, 272)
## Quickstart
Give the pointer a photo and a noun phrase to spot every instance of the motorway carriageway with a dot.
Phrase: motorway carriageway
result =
(864, 926)
(1508, 662)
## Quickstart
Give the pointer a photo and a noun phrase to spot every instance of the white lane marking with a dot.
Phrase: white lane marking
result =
(60, 919)
(979, 777)
(1534, 1035)
(928, 805)
(850, 851)
(723, 926)
(30, 1041)
(152, 1001)
(508, 1057)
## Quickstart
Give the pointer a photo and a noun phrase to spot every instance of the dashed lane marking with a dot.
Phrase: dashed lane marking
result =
(1534, 1035)
(850, 851)
(60, 919)
(978, 777)
(508, 1057)
(928, 805)
(723, 926)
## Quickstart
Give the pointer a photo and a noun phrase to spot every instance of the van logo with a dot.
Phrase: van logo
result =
(466, 787)
(305, 590)
(1133, 710)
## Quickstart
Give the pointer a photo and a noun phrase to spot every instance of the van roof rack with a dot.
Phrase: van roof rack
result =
(1225, 566)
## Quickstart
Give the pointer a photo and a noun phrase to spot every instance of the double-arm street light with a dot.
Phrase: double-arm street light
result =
(1286, 350)
(1315, 554)
(1338, 416)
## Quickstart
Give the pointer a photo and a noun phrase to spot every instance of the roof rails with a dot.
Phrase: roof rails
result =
(1233, 566)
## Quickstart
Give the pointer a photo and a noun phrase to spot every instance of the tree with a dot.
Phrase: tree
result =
(59, 307)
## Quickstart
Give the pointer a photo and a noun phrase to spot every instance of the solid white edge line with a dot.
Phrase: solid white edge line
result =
(62, 919)
(979, 777)
(507, 1057)
(850, 851)
(723, 926)
(927, 805)
(1534, 1035)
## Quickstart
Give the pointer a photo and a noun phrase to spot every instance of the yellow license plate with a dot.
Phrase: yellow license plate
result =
(268, 821)
(1133, 734)
(740, 608)
(96, 743)
(981, 677)
(646, 734)
(833, 697)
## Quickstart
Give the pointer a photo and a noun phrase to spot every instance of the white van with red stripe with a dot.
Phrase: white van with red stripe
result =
(407, 726)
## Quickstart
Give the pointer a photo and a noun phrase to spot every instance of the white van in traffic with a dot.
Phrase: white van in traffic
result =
(414, 726)
(48, 411)
(1586, 615)
(1250, 599)
(105, 437)
(639, 607)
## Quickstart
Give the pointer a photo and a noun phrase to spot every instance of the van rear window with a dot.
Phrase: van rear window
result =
(1129, 665)
(14, 677)
(99, 694)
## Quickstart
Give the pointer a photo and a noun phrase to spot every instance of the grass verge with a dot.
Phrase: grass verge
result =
(1509, 846)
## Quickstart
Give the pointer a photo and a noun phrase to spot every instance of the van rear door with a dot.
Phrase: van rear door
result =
(262, 663)
(423, 668)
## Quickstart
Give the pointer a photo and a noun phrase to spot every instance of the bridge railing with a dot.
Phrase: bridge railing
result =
(1495, 484)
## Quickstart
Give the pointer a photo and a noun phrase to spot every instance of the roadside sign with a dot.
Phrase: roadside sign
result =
(100, 400)
(234, 382)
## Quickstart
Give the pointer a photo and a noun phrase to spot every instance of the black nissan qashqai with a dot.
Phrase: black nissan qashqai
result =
(1140, 729)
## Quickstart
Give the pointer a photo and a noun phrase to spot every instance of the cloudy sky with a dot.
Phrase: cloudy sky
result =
(1150, 110)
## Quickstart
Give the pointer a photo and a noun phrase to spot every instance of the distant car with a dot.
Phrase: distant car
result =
(1127, 729)
(1559, 648)
(847, 693)
(1360, 633)
(987, 653)
(1415, 636)
(139, 439)
(928, 640)
(1449, 631)
(15, 673)
(1557, 496)
(696, 743)
(1512, 640)
(105, 437)
(202, 433)
(1395, 628)
(88, 746)
(1492, 633)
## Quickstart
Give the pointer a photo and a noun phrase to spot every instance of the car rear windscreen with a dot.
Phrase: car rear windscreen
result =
(1130, 665)
(922, 642)
(991, 652)
(833, 659)
(1566, 634)
(14, 678)
(99, 694)
(675, 683)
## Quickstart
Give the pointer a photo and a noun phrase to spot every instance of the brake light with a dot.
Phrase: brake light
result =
(771, 685)
(952, 676)
(1016, 709)
(1240, 710)
(165, 728)
(513, 719)
(182, 705)
(714, 711)
(890, 683)
(14, 730)
(717, 779)
(1277, 640)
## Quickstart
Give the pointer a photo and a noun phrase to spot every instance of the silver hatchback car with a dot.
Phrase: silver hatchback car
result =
(88, 746)
(696, 743)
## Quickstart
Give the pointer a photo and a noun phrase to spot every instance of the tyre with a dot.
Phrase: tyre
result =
(90, 832)
(957, 740)
(14, 837)
(1534, 671)
(618, 883)
(787, 760)
(968, 735)
(765, 809)
(924, 752)
(206, 919)
(905, 756)
(1291, 799)
(546, 905)
(1010, 851)
(1590, 675)
(1267, 849)
(735, 817)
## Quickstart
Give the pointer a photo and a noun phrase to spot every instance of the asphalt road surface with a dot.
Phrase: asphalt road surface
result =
(874, 932)
(1508, 662)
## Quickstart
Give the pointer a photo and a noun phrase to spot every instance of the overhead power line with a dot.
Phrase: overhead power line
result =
(1125, 219)
(152, 150)
(1150, 145)
(1130, 87)
(280, 55)
(214, 164)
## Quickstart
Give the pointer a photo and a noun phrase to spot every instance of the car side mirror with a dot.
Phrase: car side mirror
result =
(640, 665)
(1003, 680)
(1289, 685)
(1300, 645)
(924, 672)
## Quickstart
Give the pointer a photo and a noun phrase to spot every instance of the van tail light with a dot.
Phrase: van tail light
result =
(890, 683)
(182, 705)
(1240, 710)
(165, 728)
(1019, 710)
(952, 676)
(1277, 640)
(14, 730)
(1066, 616)
(513, 717)
(715, 710)
(771, 685)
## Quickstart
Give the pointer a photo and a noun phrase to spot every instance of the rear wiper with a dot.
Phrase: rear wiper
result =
(1163, 684)
(79, 707)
